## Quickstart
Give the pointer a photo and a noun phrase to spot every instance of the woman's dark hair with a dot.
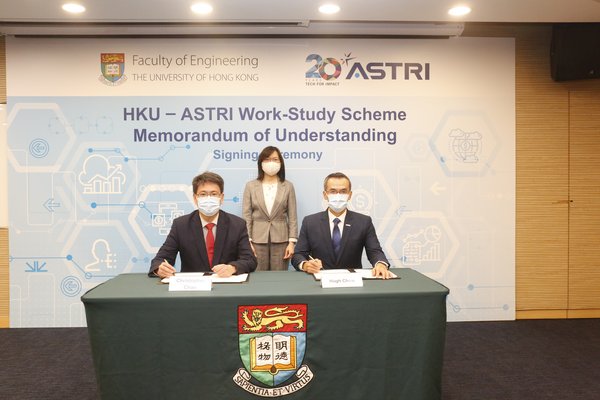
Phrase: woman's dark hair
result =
(266, 153)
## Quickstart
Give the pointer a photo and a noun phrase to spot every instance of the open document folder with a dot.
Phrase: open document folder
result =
(366, 273)
(214, 277)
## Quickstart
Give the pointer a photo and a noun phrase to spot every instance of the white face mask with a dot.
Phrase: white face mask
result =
(270, 167)
(337, 202)
(209, 205)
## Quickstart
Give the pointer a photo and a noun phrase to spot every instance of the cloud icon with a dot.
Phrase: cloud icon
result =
(99, 176)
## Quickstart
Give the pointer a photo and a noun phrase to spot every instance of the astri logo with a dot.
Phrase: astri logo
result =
(331, 69)
(272, 344)
(112, 66)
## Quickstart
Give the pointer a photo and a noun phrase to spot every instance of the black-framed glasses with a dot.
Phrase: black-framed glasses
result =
(272, 159)
(208, 194)
(335, 191)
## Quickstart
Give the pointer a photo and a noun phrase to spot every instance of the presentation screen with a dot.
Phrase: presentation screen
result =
(105, 136)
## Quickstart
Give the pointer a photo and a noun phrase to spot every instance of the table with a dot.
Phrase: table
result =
(381, 341)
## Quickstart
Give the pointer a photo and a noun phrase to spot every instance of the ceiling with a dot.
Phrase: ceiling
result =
(293, 16)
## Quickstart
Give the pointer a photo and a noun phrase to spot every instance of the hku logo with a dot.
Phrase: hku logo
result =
(330, 69)
(112, 66)
(272, 344)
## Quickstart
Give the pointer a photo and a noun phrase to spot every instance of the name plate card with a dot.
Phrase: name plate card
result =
(341, 280)
(190, 283)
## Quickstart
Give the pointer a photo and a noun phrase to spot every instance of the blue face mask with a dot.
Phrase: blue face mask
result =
(209, 205)
(337, 202)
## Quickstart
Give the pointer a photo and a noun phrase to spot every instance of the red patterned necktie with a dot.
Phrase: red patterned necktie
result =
(210, 242)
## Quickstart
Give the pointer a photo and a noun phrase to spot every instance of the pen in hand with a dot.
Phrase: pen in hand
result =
(169, 265)
(317, 261)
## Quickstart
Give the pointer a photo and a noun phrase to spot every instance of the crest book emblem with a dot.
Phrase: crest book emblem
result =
(112, 66)
(272, 344)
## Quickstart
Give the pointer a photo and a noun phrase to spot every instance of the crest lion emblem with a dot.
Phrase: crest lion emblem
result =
(272, 344)
(272, 319)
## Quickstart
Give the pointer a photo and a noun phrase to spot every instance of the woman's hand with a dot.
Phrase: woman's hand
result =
(289, 251)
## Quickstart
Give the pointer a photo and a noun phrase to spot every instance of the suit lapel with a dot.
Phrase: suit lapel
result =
(278, 198)
(222, 229)
(198, 237)
(348, 222)
(330, 262)
(260, 197)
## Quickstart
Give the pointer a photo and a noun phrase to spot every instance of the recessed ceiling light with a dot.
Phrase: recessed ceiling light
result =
(329, 8)
(73, 8)
(202, 8)
(459, 11)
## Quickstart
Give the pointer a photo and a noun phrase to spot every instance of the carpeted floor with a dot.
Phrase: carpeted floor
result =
(537, 360)
(46, 363)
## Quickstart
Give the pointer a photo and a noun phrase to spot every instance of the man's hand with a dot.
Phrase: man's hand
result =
(312, 266)
(165, 269)
(224, 270)
(380, 270)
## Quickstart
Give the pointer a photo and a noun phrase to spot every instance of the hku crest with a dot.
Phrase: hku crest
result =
(112, 66)
(272, 343)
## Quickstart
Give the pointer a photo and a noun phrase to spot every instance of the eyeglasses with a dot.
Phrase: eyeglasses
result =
(208, 194)
(272, 159)
(335, 191)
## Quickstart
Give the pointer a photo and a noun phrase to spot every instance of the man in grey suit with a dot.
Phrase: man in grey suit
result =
(335, 238)
(208, 239)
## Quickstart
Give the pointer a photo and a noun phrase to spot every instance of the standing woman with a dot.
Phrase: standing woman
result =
(269, 209)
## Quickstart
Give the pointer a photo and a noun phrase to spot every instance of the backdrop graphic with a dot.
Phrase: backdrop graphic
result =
(105, 136)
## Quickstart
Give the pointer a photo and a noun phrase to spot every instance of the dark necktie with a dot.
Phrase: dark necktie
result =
(336, 238)
(210, 242)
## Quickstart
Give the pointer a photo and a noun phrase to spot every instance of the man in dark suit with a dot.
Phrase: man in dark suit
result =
(335, 238)
(208, 239)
